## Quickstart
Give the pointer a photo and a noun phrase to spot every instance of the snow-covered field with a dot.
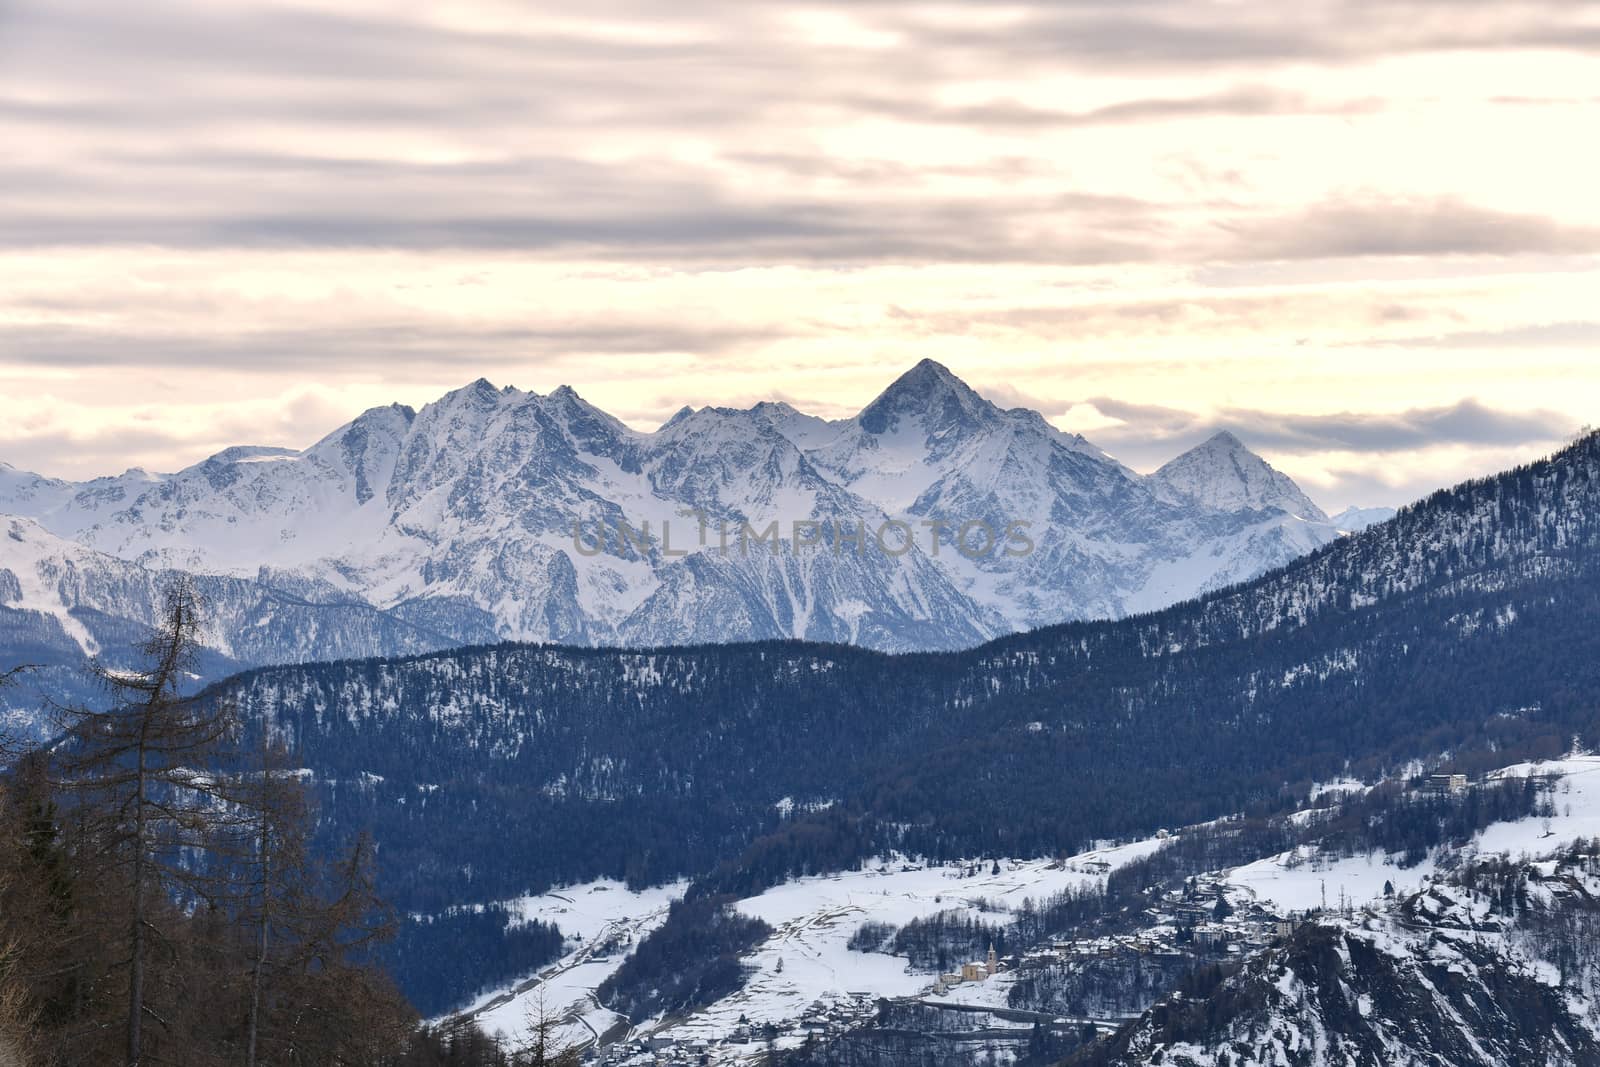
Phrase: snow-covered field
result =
(1576, 797)
(1300, 880)
(602, 921)
(806, 961)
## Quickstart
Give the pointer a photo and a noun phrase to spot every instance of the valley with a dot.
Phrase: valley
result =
(811, 984)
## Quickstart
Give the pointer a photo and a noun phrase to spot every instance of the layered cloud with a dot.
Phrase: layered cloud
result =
(1226, 210)
(1152, 432)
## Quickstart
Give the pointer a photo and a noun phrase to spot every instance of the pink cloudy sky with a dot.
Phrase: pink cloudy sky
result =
(1364, 235)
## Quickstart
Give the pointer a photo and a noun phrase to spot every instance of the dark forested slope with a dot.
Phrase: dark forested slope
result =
(1467, 623)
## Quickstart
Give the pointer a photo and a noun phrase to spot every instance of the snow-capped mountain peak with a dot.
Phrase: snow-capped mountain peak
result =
(677, 416)
(933, 397)
(460, 516)
(1222, 473)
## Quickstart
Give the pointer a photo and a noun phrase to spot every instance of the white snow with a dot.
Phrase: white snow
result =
(813, 920)
(1300, 880)
(1575, 794)
(593, 916)
(38, 560)
(1223, 474)
(440, 503)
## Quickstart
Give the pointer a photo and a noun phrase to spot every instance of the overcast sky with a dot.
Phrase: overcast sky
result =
(1365, 236)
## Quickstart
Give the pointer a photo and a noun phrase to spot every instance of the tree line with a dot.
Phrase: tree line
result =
(160, 901)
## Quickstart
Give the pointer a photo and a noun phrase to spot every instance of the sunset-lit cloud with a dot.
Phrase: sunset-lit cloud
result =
(1361, 235)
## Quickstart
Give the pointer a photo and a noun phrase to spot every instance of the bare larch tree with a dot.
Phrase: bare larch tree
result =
(141, 775)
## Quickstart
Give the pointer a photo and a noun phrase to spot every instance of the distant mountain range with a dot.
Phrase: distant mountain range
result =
(410, 530)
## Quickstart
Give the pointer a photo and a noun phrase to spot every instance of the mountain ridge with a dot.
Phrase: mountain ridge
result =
(474, 516)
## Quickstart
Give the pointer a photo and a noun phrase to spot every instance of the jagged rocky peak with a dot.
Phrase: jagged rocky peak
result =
(1221, 473)
(480, 405)
(591, 429)
(463, 505)
(388, 419)
(808, 432)
(678, 416)
(367, 448)
(714, 451)
(565, 399)
(930, 394)
(481, 395)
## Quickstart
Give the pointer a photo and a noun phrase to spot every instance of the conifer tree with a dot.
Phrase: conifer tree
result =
(137, 778)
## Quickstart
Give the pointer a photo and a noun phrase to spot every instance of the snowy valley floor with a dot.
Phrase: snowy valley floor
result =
(805, 969)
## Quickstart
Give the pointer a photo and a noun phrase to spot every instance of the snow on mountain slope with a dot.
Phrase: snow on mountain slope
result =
(1442, 978)
(1222, 474)
(1353, 518)
(1304, 880)
(808, 958)
(603, 920)
(35, 559)
(502, 512)
(1574, 815)
(62, 603)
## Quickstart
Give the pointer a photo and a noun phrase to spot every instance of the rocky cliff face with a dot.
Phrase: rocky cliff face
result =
(1499, 973)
